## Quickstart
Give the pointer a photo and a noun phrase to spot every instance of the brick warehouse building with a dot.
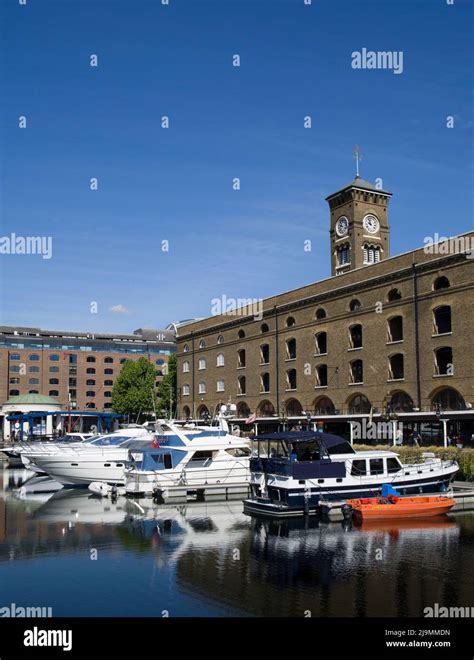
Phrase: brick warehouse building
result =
(383, 336)
(78, 365)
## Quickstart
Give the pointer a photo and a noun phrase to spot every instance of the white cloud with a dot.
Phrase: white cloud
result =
(118, 309)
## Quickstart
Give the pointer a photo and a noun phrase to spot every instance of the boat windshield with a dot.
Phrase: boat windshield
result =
(110, 440)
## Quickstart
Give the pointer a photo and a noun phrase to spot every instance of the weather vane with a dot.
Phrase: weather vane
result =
(358, 158)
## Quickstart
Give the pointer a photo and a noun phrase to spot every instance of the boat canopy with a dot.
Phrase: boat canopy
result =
(333, 443)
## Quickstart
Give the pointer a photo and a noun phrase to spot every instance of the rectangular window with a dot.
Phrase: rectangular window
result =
(220, 386)
(359, 468)
(376, 466)
(393, 465)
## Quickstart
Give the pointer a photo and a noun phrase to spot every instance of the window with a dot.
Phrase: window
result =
(220, 386)
(72, 359)
(14, 392)
(33, 369)
(401, 402)
(444, 361)
(90, 381)
(442, 320)
(14, 381)
(265, 382)
(360, 405)
(220, 339)
(107, 405)
(448, 399)
(108, 394)
(354, 305)
(321, 375)
(441, 283)
(264, 328)
(72, 382)
(241, 358)
(185, 367)
(53, 393)
(393, 465)
(321, 343)
(242, 386)
(54, 381)
(34, 357)
(72, 370)
(159, 362)
(186, 412)
(243, 410)
(355, 336)
(376, 466)
(90, 370)
(90, 358)
(264, 354)
(14, 356)
(73, 394)
(91, 405)
(123, 360)
(290, 322)
(202, 363)
(371, 254)
(108, 360)
(291, 349)
(396, 367)
(359, 468)
(200, 459)
(357, 372)
(291, 379)
(324, 406)
(15, 368)
(54, 358)
(108, 383)
(241, 334)
(202, 388)
(220, 360)
(33, 381)
(343, 255)
(266, 409)
(202, 344)
(185, 390)
(293, 408)
(33, 392)
(394, 294)
(90, 393)
(395, 329)
(54, 370)
(107, 372)
(320, 314)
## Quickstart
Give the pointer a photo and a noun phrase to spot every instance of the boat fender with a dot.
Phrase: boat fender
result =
(346, 510)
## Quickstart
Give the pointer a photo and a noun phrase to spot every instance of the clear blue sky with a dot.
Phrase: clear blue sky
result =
(226, 122)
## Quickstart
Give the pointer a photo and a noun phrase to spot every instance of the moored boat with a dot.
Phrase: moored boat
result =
(391, 507)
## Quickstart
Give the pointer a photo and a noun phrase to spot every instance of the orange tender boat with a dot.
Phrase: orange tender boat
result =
(383, 508)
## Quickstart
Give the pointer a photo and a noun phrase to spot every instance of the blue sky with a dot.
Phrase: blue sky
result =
(176, 184)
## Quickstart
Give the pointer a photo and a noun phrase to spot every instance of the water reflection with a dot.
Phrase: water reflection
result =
(209, 558)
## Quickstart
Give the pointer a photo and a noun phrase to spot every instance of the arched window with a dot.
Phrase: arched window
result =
(264, 354)
(185, 348)
(54, 381)
(395, 329)
(441, 283)
(355, 336)
(394, 294)
(203, 412)
(294, 408)
(359, 405)
(371, 253)
(290, 322)
(186, 412)
(243, 410)
(202, 344)
(448, 399)
(14, 381)
(266, 409)
(33, 391)
(444, 361)
(401, 402)
(264, 328)
(108, 383)
(107, 406)
(357, 372)
(354, 305)
(53, 393)
(33, 381)
(320, 314)
(321, 343)
(442, 320)
(54, 370)
(159, 362)
(265, 382)
(324, 406)
(343, 254)
(14, 393)
(14, 356)
(34, 369)
(90, 370)
(241, 334)
(396, 370)
(242, 385)
(220, 385)
(185, 390)
(291, 349)
(34, 357)
(90, 393)
(220, 339)
(54, 358)
(321, 375)
(220, 360)
(202, 363)
(90, 404)
(107, 372)
(185, 367)
(90, 381)
(90, 358)
(202, 388)
(291, 379)
(241, 358)
(108, 360)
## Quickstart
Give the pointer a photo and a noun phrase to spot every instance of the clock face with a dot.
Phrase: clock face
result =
(342, 225)
(371, 224)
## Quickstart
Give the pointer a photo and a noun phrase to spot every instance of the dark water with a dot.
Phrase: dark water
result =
(208, 559)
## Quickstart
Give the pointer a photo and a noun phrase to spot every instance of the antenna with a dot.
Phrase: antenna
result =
(358, 159)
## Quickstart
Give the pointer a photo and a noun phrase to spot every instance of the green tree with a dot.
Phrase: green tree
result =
(167, 389)
(134, 390)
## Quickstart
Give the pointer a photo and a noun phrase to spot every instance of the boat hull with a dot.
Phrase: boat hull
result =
(402, 508)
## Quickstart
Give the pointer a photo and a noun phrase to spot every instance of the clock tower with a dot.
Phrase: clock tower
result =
(359, 225)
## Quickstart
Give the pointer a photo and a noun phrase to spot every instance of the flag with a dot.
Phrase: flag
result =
(251, 419)
(155, 443)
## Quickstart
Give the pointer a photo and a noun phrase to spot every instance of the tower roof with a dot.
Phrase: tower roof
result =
(362, 184)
